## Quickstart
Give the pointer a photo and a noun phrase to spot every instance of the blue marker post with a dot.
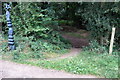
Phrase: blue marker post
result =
(10, 31)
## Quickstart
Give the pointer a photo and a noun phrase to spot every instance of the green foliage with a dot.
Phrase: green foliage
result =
(22, 52)
(43, 46)
(35, 29)
(101, 65)
(27, 49)
(29, 19)
(77, 34)
(94, 46)
(3, 44)
(19, 56)
(65, 22)
(33, 21)
(100, 18)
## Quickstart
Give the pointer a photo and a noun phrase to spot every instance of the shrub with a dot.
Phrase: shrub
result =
(94, 46)
(34, 29)
(35, 22)
(100, 18)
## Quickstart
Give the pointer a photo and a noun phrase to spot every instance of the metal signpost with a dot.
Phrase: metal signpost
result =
(10, 31)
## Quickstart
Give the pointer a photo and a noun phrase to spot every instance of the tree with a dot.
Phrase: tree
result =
(100, 18)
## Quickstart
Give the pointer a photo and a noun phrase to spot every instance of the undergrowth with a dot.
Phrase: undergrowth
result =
(94, 46)
(39, 49)
(35, 31)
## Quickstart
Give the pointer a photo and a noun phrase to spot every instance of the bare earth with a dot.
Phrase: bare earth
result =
(76, 42)
(14, 70)
(73, 52)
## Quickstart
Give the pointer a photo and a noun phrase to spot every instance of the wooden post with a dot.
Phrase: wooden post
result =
(112, 41)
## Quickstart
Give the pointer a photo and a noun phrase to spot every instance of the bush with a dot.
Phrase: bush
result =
(94, 46)
(99, 19)
(28, 49)
(34, 29)
(35, 22)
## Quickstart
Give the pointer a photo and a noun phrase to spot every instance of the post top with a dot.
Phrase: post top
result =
(8, 6)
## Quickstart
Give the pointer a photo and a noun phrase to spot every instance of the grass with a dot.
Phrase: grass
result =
(101, 65)
(79, 34)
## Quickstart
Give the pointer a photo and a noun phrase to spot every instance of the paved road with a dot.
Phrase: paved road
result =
(15, 70)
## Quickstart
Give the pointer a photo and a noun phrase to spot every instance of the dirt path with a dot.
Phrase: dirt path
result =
(73, 52)
(14, 70)
(76, 42)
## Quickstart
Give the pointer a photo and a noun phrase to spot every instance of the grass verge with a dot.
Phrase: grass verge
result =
(101, 65)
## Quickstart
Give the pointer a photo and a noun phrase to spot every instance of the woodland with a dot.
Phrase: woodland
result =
(44, 31)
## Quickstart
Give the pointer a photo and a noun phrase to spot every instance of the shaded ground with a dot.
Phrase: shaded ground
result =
(76, 42)
(14, 70)
(77, 37)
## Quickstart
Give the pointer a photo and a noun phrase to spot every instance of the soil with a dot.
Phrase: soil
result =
(73, 52)
(76, 42)
(14, 70)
